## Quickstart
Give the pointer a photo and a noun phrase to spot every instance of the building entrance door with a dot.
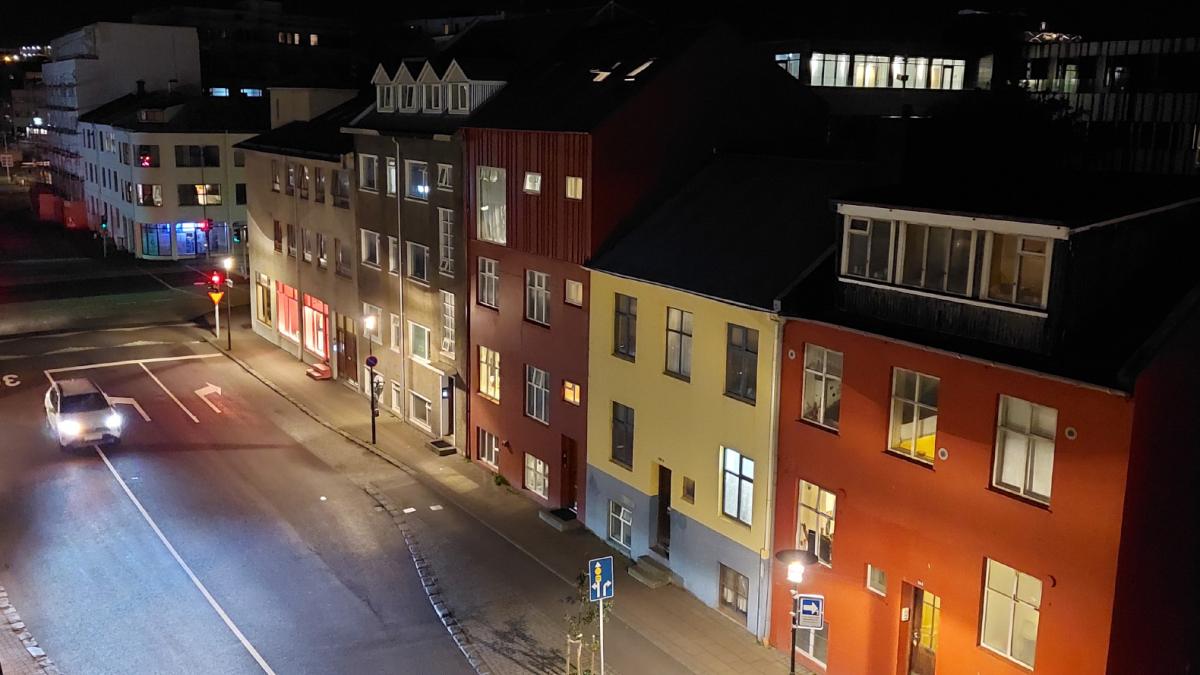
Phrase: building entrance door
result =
(920, 632)
(347, 343)
(663, 538)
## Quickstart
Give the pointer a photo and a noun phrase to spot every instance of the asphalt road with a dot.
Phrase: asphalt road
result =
(227, 540)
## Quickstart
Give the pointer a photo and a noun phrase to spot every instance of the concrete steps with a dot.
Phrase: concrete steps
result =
(650, 572)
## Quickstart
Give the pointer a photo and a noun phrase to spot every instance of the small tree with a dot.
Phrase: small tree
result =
(582, 621)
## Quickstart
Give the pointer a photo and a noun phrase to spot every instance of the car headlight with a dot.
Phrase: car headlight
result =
(69, 428)
(113, 422)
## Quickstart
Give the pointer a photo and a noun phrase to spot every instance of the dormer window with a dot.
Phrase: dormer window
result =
(868, 249)
(431, 99)
(385, 97)
(1018, 269)
(149, 115)
(459, 97)
(408, 97)
(937, 258)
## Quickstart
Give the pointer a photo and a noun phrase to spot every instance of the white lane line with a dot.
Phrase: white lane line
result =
(188, 570)
(164, 388)
(410, 510)
(133, 362)
(435, 507)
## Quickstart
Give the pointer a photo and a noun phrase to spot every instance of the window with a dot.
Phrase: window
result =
(741, 363)
(537, 394)
(239, 194)
(341, 188)
(376, 335)
(533, 183)
(876, 580)
(322, 258)
(1025, 448)
(393, 255)
(791, 63)
(489, 373)
(197, 155)
(219, 91)
(207, 194)
(316, 318)
(445, 177)
(278, 237)
(910, 72)
(1012, 603)
(156, 238)
(446, 241)
(737, 482)
(573, 293)
(318, 185)
(867, 249)
(537, 476)
(622, 435)
(417, 185)
(574, 187)
(385, 97)
(306, 236)
(369, 247)
(290, 183)
(368, 173)
(408, 97)
(149, 195)
(418, 341)
(418, 262)
(537, 297)
(1018, 269)
(448, 323)
(914, 414)
(431, 97)
(949, 73)
(620, 525)
(814, 643)
(262, 297)
(292, 240)
(829, 70)
(571, 392)
(421, 410)
(493, 205)
(147, 156)
(341, 258)
(274, 175)
(488, 291)
(305, 181)
(689, 490)
(625, 327)
(459, 97)
(815, 512)
(735, 593)
(679, 343)
(239, 156)
(289, 311)
(937, 258)
(822, 386)
(488, 448)
(396, 334)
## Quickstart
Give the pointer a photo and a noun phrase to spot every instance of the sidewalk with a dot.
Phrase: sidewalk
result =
(19, 652)
(699, 638)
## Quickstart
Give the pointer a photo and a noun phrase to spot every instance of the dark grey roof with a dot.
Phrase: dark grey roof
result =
(197, 113)
(743, 230)
(319, 138)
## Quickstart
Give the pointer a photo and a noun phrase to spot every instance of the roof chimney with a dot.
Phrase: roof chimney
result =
(141, 87)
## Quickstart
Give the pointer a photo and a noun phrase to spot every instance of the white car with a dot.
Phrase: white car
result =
(79, 413)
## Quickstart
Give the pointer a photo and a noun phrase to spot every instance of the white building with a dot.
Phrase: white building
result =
(98, 63)
(161, 170)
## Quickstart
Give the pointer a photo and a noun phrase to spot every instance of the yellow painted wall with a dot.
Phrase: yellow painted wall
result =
(681, 425)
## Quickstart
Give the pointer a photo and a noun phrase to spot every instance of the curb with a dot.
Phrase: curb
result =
(13, 619)
(428, 579)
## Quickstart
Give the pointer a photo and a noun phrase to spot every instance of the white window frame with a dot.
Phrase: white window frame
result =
(446, 241)
(414, 191)
(537, 297)
(363, 237)
(1030, 436)
(364, 184)
(445, 177)
(537, 475)
(823, 377)
(574, 187)
(537, 394)
(418, 335)
(917, 406)
(489, 373)
(621, 515)
(496, 230)
(428, 406)
(487, 292)
(1013, 598)
(986, 273)
(569, 297)
(806, 639)
(448, 321)
(385, 98)
(397, 398)
(741, 481)
(393, 255)
(412, 248)
(458, 97)
(396, 334)
(391, 177)
(377, 312)
(431, 96)
(408, 91)
(802, 542)
(847, 233)
(902, 252)
(533, 183)
(489, 440)
(882, 592)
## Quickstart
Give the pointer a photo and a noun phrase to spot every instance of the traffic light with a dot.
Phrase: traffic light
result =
(215, 281)
(205, 224)
(237, 235)
(103, 223)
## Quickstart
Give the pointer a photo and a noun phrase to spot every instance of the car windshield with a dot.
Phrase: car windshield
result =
(84, 403)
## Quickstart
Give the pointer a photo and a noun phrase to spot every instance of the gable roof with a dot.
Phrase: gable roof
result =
(320, 138)
(742, 230)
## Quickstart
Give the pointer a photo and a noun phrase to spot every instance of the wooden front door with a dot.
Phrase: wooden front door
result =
(664, 512)
(921, 630)
(570, 474)
(347, 350)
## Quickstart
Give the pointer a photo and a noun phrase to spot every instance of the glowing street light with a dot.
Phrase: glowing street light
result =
(796, 561)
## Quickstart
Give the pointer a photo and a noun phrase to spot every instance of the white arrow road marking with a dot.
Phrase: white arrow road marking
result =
(164, 388)
(125, 400)
(203, 392)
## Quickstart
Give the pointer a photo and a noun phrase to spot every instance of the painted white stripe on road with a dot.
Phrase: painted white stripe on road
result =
(164, 388)
(188, 570)
(132, 362)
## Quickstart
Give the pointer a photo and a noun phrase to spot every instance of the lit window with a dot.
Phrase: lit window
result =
(816, 509)
(914, 414)
(537, 476)
(829, 70)
(537, 297)
(418, 341)
(489, 373)
(822, 386)
(1012, 602)
(1025, 448)
(417, 183)
(533, 183)
(735, 593)
(620, 525)
(573, 293)
(448, 323)
(446, 241)
(571, 392)
(574, 187)
(1018, 269)
(737, 485)
(251, 92)
(219, 91)
(391, 175)
(376, 334)
(679, 343)
(488, 287)
(493, 205)
(488, 448)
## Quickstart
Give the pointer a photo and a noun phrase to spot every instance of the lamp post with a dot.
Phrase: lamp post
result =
(369, 324)
(228, 264)
(796, 561)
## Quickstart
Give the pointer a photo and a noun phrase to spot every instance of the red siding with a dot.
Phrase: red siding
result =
(934, 527)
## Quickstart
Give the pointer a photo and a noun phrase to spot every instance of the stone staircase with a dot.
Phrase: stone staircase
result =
(650, 572)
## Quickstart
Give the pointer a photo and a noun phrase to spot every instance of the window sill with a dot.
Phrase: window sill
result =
(487, 306)
(375, 266)
(627, 467)
(910, 459)
(1004, 657)
(448, 355)
(1031, 501)
(736, 521)
(345, 274)
(415, 200)
(488, 398)
(531, 417)
(394, 273)
(817, 425)
(447, 274)
(446, 188)
(625, 357)
(535, 322)
(677, 376)
(424, 283)
(736, 397)
(367, 189)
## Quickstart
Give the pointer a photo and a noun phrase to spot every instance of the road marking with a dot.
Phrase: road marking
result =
(410, 510)
(12, 380)
(164, 388)
(203, 392)
(188, 570)
(435, 507)
(132, 362)
(129, 401)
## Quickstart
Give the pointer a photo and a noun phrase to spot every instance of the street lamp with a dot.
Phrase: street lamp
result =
(228, 264)
(369, 324)
(796, 561)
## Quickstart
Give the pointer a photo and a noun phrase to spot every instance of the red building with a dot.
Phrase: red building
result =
(988, 433)
(620, 112)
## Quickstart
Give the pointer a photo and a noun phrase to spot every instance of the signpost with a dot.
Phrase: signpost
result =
(216, 298)
(809, 611)
(600, 588)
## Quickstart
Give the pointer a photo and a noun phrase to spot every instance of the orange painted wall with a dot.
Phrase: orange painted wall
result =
(935, 526)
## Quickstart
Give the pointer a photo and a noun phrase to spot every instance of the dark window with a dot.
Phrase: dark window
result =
(278, 237)
(735, 593)
(240, 197)
(622, 435)
(291, 240)
(147, 156)
(625, 326)
(741, 363)
(679, 343)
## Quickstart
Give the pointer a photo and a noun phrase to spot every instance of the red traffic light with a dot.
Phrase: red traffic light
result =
(215, 279)
(204, 224)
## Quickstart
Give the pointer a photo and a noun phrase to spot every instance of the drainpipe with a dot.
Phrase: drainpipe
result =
(767, 566)
(299, 257)
(400, 265)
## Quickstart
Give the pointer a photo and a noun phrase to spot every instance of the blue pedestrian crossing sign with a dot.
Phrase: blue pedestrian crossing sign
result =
(809, 611)
(600, 578)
